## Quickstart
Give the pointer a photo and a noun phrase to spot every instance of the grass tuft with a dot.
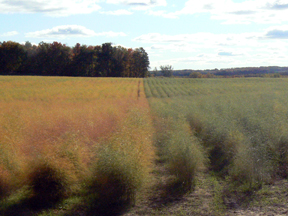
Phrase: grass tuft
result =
(122, 166)
(184, 157)
(278, 153)
(113, 187)
(178, 149)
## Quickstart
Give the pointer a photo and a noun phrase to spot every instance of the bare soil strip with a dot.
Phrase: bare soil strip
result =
(208, 198)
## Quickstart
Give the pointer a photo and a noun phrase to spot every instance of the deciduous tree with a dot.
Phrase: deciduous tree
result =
(166, 70)
(12, 57)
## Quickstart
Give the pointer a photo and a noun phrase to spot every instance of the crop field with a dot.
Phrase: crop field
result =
(153, 146)
(72, 137)
(234, 129)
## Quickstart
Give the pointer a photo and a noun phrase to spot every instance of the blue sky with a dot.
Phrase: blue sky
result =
(187, 34)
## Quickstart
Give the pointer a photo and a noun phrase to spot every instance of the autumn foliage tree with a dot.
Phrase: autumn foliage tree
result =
(83, 61)
(12, 57)
(56, 59)
(140, 63)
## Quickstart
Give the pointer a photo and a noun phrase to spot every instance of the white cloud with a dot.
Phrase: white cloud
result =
(202, 38)
(249, 11)
(162, 13)
(214, 60)
(49, 7)
(139, 2)
(9, 34)
(71, 7)
(210, 40)
(174, 47)
(203, 61)
(277, 32)
(62, 32)
(65, 31)
(117, 12)
(162, 38)
(269, 47)
(228, 54)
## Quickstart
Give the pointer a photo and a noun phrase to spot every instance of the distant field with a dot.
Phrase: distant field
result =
(81, 127)
(167, 88)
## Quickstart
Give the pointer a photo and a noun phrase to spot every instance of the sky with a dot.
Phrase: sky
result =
(187, 34)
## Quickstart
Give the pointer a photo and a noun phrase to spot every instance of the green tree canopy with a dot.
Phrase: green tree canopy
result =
(166, 70)
(12, 56)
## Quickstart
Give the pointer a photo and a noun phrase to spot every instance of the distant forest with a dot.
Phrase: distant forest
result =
(235, 72)
(106, 60)
(56, 59)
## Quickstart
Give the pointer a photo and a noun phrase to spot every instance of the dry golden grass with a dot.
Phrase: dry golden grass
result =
(67, 121)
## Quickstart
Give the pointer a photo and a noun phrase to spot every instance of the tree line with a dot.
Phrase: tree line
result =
(56, 59)
(273, 71)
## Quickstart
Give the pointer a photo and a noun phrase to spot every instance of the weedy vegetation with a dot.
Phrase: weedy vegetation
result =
(92, 145)
(237, 127)
(72, 137)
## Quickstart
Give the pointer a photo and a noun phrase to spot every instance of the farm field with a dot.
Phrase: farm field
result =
(154, 146)
(232, 134)
(69, 139)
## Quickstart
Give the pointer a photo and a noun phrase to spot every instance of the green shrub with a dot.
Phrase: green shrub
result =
(278, 152)
(184, 169)
(219, 146)
(114, 184)
(122, 165)
(250, 167)
(180, 151)
(184, 159)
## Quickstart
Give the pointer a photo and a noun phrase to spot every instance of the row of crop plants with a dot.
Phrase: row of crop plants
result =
(79, 139)
(236, 128)
(92, 139)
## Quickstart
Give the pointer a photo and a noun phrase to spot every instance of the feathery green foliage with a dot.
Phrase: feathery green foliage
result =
(241, 123)
(177, 147)
(122, 166)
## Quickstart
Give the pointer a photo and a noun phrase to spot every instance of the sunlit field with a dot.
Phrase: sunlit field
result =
(153, 146)
(239, 128)
(83, 136)
(242, 121)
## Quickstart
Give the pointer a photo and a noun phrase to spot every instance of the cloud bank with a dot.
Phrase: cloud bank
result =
(149, 3)
(117, 12)
(9, 34)
(277, 32)
(66, 31)
(210, 50)
(245, 12)
(49, 7)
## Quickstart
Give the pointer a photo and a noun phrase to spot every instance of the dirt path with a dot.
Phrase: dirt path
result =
(160, 200)
(207, 199)
(271, 200)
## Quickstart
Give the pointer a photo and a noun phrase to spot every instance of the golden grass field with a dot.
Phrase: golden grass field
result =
(67, 122)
